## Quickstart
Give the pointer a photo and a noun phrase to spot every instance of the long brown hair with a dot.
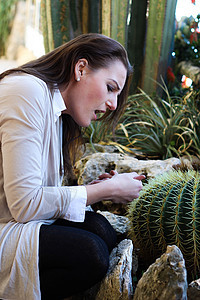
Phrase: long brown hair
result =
(56, 68)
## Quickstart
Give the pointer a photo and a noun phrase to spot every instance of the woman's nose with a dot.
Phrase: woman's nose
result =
(112, 104)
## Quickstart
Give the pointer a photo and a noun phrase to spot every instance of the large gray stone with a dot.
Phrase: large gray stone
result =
(119, 223)
(194, 290)
(91, 166)
(96, 148)
(117, 285)
(165, 279)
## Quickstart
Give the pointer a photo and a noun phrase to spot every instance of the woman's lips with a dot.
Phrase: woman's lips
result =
(98, 112)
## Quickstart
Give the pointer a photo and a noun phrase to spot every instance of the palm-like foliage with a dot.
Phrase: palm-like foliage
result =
(96, 133)
(192, 113)
(155, 127)
(7, 13)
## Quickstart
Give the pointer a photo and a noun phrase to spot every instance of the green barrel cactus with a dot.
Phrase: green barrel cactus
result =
(168, 213)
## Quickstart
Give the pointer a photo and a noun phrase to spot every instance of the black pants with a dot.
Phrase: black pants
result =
(74, 256)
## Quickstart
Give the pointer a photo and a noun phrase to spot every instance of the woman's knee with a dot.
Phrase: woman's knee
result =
(102, 227)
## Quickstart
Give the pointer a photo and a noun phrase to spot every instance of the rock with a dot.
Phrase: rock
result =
(119, 223)
(117, 284)
(165, 279)
(119, 209)
(91, 166)
(189, 162)
(95, 148)
(194, 290)
(121, 226)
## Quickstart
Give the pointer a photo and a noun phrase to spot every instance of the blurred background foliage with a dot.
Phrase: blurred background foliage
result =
(7, 13)
(162, 118)
(145, 28)
(187, 41)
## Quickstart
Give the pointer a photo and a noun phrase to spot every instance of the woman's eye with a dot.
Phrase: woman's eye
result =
(110, 88)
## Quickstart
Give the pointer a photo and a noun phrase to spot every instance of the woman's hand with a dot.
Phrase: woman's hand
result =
(119, 188)
(128, 186)
(104, 176)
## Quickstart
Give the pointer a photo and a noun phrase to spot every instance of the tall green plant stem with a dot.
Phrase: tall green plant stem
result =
(144, 28)
(136, 39)
(60, 22)
(160, 34)
(119, 16)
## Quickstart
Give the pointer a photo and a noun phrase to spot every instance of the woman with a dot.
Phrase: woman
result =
(50, 246)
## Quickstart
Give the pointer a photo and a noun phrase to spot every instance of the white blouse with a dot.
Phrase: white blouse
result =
(31, 193)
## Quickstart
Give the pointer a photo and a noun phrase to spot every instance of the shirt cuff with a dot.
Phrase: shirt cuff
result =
(77, 205)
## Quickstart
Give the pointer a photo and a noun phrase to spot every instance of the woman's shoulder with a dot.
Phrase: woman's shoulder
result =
(27, 91)
(22, 82)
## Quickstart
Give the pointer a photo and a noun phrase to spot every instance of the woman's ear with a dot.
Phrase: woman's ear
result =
(80, 68)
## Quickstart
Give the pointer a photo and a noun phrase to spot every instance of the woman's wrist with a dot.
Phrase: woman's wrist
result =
(101, 191)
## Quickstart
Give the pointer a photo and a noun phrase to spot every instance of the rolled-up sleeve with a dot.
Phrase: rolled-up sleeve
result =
(76, 208)
(22, 121)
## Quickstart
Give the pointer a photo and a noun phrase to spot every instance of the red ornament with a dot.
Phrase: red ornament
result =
(170, 75)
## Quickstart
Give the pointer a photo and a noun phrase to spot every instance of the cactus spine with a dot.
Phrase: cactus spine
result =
(166, 213)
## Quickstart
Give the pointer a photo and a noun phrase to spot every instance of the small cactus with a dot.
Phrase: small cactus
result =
(168, 213)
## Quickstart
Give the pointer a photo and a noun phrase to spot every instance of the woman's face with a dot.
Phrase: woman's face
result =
(95, 92)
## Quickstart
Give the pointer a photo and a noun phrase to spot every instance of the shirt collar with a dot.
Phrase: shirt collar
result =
(58, 104)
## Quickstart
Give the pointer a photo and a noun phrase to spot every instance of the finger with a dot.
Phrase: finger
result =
(113, 172)
(97, 181)
(139, 177)
(105, 175)
(94, 182)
